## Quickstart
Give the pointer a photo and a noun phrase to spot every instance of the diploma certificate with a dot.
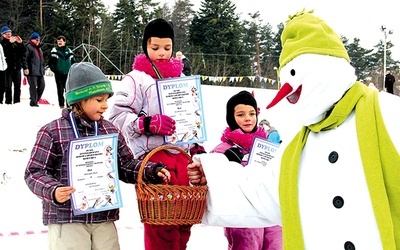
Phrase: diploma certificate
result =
(262, 151)
(180, 98)
(92, 171)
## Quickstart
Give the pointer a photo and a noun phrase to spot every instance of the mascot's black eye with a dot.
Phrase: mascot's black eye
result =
(292, 72)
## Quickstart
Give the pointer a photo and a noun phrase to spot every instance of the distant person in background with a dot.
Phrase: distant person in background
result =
(33, 65)
(3, 67)
(60, 60)
(187, 70)
(14, 51)
(389, 82)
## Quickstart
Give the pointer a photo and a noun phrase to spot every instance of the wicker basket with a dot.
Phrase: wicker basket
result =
(161, 204)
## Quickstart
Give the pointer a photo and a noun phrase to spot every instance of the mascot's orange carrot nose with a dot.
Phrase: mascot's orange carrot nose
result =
(282, 93)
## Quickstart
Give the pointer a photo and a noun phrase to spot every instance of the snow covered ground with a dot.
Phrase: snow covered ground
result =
(20, 212)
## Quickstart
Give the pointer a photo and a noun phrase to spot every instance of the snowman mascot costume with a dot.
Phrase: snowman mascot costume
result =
(336, 185)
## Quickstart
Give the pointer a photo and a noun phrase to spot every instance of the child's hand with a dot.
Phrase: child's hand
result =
(156, 125)
(197, 149)
(164, 173)
(62, 194)
(196, 174)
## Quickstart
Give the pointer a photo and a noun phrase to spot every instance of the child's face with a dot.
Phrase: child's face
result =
(94, 107)
(159, 49)
(245, 117)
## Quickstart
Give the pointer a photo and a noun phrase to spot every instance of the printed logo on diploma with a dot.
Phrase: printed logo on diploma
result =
(92, 170)
(262, 151)
(180, 98)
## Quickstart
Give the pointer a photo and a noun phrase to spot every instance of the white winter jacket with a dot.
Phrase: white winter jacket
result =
(137, 93)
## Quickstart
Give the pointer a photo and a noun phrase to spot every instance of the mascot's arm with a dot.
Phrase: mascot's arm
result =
(240, 196)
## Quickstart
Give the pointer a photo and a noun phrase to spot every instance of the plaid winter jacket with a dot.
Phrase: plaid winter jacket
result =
(47, 168)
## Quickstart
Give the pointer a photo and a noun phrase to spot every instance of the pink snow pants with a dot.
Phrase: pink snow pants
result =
(268, 238)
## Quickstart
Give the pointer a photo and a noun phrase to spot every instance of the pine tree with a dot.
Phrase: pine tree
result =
(216, 36)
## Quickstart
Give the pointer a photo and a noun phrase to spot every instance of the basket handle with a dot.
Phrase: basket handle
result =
(152, 152)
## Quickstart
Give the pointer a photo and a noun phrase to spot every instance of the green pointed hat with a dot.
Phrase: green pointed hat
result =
(307, 34)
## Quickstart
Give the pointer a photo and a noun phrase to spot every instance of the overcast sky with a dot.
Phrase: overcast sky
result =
(351, 18)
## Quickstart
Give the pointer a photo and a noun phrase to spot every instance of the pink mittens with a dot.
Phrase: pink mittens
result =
(156, 125)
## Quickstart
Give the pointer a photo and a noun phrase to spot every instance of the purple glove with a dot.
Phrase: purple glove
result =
(156, 125)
